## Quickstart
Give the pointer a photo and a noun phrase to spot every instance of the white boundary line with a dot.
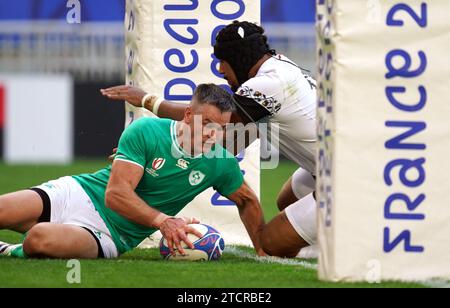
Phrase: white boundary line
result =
(236, 251)
(436, 284)
(271, 260)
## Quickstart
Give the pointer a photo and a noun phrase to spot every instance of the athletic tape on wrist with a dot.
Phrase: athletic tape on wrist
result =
(144, 100)
(156, 106)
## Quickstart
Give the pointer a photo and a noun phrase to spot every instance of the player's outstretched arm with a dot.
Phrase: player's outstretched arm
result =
(122, 199)
(139, 98)
(251, 214)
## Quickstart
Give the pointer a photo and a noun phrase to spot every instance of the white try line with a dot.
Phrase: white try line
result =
(436, 284)
(270, 260)
(236, 251)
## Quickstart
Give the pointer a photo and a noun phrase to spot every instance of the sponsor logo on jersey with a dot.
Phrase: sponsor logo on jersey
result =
(183, 164)
(196, 178)
(157, 164)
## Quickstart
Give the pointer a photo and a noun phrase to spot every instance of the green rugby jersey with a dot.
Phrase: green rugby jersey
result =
(169, 182)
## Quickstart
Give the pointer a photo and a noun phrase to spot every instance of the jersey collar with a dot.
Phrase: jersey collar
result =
(176, 144)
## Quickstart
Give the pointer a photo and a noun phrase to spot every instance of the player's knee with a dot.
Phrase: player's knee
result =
(38, 241)
(272, 248)
(268, 242)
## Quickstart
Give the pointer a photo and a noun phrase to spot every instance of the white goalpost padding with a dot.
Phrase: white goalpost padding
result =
(384, 172)
(169, 51)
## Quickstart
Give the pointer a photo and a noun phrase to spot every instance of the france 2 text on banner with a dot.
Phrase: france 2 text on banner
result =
(384, 147)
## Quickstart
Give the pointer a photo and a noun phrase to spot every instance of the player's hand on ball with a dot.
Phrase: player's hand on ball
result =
(175, 231)
(132, 95)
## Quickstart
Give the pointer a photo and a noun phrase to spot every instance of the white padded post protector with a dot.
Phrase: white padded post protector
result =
(384, 167)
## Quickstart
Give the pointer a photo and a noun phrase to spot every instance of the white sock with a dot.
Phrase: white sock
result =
(310, 252)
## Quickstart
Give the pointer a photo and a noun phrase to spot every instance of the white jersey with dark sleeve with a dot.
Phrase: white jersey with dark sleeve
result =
(280, 94)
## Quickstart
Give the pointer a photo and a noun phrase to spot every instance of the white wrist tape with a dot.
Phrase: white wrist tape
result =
(156, 106)
(146, 97)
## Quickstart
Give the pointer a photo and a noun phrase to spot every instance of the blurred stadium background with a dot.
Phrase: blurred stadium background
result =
(73, 61)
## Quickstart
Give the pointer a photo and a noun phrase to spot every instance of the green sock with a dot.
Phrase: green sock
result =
(19, 253)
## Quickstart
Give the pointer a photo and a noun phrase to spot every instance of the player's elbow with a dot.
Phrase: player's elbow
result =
(252, 200)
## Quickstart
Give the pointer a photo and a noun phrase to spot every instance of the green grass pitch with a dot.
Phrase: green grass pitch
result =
(239, 267)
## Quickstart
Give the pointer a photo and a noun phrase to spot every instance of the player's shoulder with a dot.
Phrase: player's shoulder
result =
(146, 121)
(267, 82)
(148, 130)
(280, 64)
(280, 68)
(291, 72)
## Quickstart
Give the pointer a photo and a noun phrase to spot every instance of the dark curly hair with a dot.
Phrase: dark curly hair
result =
(242, 45)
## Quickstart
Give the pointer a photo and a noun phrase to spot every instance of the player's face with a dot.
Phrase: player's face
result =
(207, 125)
(228, 73)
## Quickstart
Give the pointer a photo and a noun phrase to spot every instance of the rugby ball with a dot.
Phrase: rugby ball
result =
(207, 248)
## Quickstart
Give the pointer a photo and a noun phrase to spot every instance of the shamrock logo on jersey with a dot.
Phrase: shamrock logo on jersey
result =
(196, 177)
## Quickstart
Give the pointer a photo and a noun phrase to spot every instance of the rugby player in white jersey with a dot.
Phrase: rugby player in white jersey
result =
(271, 89)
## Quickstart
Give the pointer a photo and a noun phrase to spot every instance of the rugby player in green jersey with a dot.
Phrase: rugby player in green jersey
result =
(161, 165)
